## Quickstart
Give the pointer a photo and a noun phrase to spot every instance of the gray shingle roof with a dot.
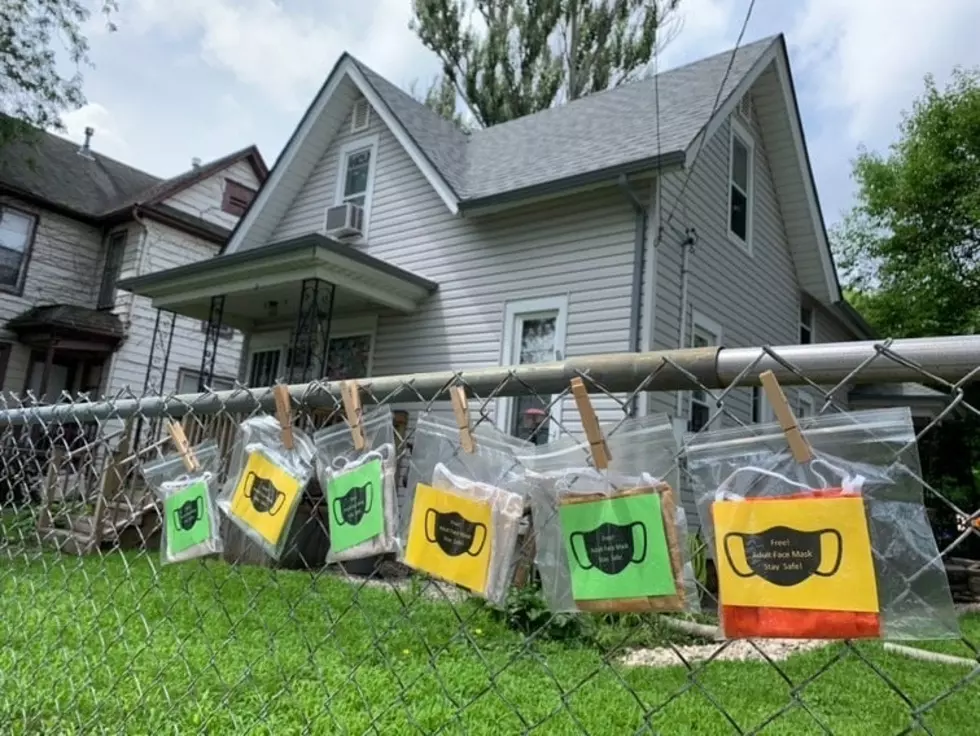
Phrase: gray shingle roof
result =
(50, 168)
(598, 132)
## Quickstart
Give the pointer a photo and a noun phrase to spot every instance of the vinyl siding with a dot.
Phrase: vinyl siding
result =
(64, 268)
(580, 247)
(162, 248)
(204, 198)
(754, 297)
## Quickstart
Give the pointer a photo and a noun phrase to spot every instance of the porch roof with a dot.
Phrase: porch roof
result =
(68, 325)
(922, 401)
(248, 279)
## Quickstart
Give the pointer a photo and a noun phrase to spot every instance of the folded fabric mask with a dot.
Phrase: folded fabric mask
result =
(785, 558)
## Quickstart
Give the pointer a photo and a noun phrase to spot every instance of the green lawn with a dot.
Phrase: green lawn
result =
(119, 645)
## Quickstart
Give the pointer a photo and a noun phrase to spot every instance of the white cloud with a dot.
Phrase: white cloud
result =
(284, 55)
(108, 138)
(867, 59)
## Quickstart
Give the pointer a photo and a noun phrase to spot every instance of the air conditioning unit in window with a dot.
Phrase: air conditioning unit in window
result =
(344, 221)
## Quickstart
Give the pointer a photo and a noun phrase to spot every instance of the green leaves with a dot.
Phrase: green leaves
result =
(911, 247)
(33, 93)
(522, 56)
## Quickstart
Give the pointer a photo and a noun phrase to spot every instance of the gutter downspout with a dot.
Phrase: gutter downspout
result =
(639, 257)
(687, 245)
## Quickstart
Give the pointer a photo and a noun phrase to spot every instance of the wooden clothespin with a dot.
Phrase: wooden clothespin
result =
(183, 446)
(284, 413)
(798, 445)
(350, 392)
(590, 423)
(461, 409)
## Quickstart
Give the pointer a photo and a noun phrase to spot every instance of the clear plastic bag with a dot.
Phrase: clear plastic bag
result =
(360, 487)
(466, 508)
(191, 527)
(839, 547)
(266, 482)
(612, 540)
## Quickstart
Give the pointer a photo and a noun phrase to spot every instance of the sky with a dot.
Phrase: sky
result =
(199, 78)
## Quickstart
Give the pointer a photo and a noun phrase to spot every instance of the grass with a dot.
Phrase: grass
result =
(119, 644)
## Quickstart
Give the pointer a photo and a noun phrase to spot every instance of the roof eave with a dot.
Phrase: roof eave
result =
(144, 284)
(345, 66)
(656, 164)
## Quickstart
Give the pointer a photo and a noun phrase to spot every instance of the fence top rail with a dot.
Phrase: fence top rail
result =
(953, 360)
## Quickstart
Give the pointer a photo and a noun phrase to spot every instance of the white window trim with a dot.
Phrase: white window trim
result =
(262, 342)
(252, 350)
(738, 130)
(530, 308)
(195, 372)
(766, 414)
(354, 128)
(359, 144)
(708, 325)
(804, 398)
(813, 321)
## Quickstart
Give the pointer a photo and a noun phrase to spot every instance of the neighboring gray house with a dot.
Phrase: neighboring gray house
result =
(72, 223)
(388, 241)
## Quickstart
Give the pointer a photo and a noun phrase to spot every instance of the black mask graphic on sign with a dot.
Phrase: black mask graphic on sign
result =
(610, 547)
(454, 534)
(189, 513)
(784, 556)
(263, 495)
(353, 505)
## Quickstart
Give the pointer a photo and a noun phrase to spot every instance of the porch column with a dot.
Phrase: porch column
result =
(312, 334)
(46, 373)
(212, 339)
(156, 363)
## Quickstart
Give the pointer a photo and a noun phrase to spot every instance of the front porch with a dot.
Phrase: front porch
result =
(307, 308)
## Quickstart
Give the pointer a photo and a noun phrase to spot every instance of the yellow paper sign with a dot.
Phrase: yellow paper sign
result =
(810, 554)
(450, 536)
(264, 496)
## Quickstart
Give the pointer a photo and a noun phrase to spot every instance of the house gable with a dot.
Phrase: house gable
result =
(206, 198)
(773, 96)
(305, 149)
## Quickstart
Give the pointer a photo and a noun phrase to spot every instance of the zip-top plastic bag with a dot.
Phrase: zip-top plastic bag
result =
(465, 508)
(359, 487)
(612, 540)
(266, 481)
(191, 526)
(836, 547)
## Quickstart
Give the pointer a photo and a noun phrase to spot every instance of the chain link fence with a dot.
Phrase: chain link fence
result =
(99, 637)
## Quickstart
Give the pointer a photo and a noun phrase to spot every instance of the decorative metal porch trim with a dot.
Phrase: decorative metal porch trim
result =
(212, 339)
(307, 360)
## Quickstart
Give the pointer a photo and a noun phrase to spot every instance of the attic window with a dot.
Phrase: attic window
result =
(360, 116)
(745, 108)
(237, 198)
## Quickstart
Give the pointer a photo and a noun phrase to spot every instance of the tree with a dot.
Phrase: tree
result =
(910, 251)
(911, 245)
(33, 92)
(441, 97)
(528, 55)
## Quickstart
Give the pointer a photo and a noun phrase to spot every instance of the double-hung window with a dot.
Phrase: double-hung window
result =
(355, 176)
(740, 186)
(704, 333)
(114, 251)
(806, 325)
(16, 235)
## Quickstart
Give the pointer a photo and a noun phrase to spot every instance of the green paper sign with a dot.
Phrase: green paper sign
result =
(617, 548)
(356, 511)
(188, 517)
